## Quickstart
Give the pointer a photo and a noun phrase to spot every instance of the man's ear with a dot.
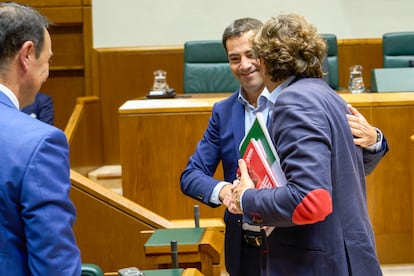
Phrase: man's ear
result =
(26, 54)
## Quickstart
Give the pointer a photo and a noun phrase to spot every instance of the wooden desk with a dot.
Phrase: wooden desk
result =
(412, 177)
(158, 136)
(200, 247)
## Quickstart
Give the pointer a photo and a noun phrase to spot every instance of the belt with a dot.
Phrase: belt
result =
(252, 238)
(249, 227)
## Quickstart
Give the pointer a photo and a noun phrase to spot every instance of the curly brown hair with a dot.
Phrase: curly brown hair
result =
(290, 45)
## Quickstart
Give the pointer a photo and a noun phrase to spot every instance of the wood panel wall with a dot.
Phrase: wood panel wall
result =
(121, 74)
(412, 182)
(389, 203)
(71, 33)
(366, 52)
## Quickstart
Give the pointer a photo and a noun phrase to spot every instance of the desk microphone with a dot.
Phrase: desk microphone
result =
(174, 254)
(196, 216)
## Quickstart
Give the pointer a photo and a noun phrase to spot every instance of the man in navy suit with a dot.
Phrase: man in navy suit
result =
(41, 109)
(321, 221)
(229, 120)
(36, 214)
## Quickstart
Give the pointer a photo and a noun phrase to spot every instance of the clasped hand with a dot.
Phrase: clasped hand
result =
(233, 192)
(365, 134)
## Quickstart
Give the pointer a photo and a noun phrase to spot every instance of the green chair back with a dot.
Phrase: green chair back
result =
(332, 60)
(91, 270)
(206, 68)
(398, 49)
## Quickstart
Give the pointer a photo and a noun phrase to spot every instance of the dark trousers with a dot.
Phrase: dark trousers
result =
(250, 261)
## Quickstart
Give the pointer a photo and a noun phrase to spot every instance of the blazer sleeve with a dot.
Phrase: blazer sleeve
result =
(197, 179)
(301, 135)
(371, 159)
(47, 212)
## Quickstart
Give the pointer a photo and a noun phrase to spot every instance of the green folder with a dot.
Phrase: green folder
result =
(181, 235)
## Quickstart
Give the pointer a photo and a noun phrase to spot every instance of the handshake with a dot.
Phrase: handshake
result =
(230, 195)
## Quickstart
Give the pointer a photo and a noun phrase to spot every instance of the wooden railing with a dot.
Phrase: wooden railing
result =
(110, 229)
(84, 134)
(77, 116)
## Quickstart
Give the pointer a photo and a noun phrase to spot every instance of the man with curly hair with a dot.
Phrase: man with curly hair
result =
(321, 220)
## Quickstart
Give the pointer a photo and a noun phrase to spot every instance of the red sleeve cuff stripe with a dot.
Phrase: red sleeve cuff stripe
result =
(314, 207)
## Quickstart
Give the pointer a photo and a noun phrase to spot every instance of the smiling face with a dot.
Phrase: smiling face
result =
(244, 67)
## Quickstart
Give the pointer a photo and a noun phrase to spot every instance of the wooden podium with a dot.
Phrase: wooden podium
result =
(156, 139)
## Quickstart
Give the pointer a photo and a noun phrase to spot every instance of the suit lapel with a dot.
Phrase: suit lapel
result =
(238, 125)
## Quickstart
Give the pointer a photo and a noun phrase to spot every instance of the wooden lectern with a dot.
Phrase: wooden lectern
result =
(157, 136)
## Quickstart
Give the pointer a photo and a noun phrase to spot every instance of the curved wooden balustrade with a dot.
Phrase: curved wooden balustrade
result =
(110, 229)
(77, 116)
(84, 134)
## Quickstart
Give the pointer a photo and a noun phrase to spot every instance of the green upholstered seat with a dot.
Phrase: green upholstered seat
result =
(206, 68)
(392, 80)
(91, 270)
(398, 49)
(332, 58)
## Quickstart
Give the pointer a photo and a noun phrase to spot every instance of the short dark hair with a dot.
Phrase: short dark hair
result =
(18, 24)
(239, 27)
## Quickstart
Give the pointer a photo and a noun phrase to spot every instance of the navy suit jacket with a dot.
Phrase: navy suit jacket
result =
(322, 165)
(36, 214)
(41, 108)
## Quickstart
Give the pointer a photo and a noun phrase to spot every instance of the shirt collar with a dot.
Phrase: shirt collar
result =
(270, 96)
(280, 87)
(10, 95)
(243, 99)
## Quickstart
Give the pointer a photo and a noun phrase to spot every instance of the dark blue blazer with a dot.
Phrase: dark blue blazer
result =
(321, 216)
(36, 214)
(41, 108)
